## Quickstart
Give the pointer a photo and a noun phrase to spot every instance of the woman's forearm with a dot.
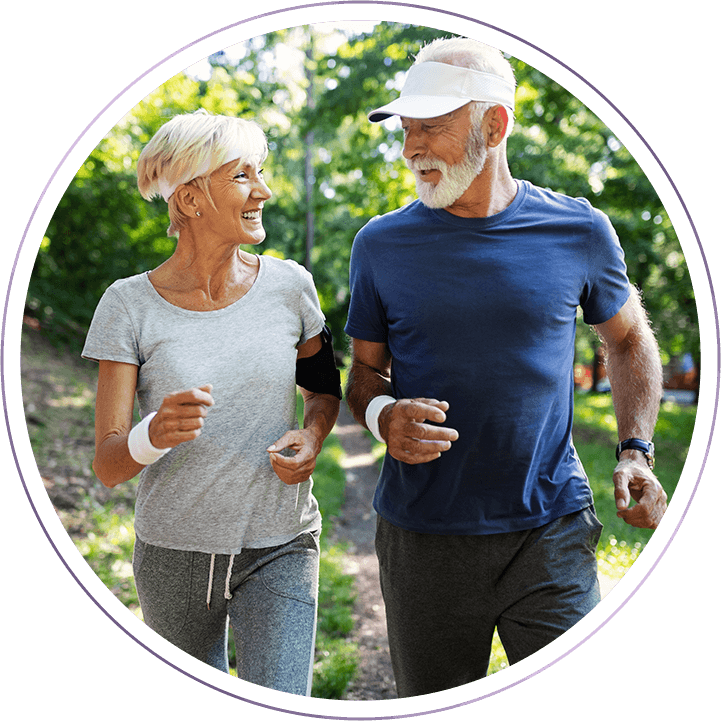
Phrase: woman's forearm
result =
(113, 463)
(320, 412)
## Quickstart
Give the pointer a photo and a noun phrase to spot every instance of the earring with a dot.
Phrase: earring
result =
(197, 212)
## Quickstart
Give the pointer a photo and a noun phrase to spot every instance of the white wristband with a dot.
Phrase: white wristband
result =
(139, 445)
(373, 411)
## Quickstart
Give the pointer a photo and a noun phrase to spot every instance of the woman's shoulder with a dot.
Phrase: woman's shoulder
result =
(128, 291)
(286, 270)
(131, 284)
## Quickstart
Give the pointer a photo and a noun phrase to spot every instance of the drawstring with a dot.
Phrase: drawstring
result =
(210, 581)
(228, 594)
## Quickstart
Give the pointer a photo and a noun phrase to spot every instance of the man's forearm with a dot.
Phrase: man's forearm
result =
(634, 369)
(635, 372)
(364, 384)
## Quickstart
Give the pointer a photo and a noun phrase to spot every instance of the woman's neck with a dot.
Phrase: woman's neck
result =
(205, 279)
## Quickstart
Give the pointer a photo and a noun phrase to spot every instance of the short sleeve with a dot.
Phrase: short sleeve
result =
(607, 285)
(311, 315)
(112, 335)
(367, 318)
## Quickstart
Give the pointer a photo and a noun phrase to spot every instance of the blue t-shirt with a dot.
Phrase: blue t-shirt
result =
(481, 312)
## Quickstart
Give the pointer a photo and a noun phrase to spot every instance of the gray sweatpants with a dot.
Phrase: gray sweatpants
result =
(272, 607)
(445, 596)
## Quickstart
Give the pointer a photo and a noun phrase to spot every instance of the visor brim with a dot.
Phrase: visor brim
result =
(418, 106)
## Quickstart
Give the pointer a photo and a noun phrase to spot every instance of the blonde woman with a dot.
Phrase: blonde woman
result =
(212, 342)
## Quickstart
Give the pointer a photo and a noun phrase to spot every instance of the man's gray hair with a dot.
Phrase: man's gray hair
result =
(468, 53)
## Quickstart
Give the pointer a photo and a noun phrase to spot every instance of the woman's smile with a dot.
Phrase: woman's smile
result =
(251, 214)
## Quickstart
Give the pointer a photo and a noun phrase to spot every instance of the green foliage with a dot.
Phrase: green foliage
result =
(595, 438)
(329, 480)
(616, 557)
(499, 660)
(108, 550)
(334, 670)
(311, 88)
(336, 658)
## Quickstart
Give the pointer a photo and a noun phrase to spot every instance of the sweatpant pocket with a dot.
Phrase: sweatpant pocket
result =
(163, 579)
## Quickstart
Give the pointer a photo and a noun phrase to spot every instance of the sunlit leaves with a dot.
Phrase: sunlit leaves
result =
(557, 143)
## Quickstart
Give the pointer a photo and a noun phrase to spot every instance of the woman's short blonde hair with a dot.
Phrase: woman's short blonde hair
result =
(188, 148)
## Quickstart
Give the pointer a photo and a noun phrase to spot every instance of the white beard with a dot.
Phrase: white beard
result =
(455, 179)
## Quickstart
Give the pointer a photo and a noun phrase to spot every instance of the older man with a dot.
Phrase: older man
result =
(462, 316)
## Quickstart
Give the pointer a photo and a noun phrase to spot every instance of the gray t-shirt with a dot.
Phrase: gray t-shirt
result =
(217, 493)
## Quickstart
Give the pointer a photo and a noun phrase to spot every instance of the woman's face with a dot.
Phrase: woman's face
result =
(239, 194)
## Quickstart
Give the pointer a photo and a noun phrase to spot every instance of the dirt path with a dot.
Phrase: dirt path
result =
(356, 526)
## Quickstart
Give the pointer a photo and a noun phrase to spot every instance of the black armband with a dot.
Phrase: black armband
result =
(318, 373)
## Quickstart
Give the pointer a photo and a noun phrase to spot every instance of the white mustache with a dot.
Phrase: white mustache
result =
(427, 163)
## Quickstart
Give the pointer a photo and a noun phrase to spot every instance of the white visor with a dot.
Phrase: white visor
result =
(433, 89)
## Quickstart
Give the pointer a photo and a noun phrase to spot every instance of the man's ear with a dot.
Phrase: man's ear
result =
(496, 120)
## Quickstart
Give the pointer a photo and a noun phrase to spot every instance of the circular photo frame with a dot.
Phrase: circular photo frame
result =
(88, 636)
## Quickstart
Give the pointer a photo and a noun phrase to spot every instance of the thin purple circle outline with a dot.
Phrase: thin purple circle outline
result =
(85, 131)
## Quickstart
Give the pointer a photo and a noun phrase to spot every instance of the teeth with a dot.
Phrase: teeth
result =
(252, 215)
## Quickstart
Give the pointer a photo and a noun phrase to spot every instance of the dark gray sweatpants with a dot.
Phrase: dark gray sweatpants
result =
(445, 595)
(272, 607)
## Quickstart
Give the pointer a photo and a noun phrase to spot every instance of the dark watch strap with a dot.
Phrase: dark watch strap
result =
(636, 444)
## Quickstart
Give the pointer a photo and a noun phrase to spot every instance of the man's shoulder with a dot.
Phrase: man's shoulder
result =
(413, 212)
(555, 197)
(550, 203)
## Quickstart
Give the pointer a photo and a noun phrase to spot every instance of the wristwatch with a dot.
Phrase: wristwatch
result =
(636, 444)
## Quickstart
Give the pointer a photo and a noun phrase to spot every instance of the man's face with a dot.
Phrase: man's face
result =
(445, 154)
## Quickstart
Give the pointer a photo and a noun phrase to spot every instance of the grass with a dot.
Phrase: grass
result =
(336, 658)
(595, 438)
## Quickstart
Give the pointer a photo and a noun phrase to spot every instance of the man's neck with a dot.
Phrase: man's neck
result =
(492, 191)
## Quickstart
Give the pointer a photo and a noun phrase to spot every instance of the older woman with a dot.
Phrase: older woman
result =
(213, 341)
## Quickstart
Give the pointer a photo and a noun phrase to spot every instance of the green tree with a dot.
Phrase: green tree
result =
(318, 83)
